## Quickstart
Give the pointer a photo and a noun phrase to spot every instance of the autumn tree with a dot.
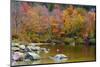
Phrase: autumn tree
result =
(56, 20)
(73, 20)
(35, 22)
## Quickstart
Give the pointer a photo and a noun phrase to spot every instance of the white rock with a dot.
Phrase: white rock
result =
(59, 58)
(36, 48)
(33, 44)
(15, 48)
(30, 47)
(22, 46)
(15, 44)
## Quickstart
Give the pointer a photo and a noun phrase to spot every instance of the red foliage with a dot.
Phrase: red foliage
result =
(24, 7)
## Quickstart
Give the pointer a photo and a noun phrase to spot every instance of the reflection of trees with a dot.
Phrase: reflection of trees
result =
(85, 50)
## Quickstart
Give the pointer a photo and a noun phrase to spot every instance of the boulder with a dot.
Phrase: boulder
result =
(59, 58)
(32, 56)
(17, 56)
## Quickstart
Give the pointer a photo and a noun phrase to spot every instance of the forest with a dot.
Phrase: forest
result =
(52, 23)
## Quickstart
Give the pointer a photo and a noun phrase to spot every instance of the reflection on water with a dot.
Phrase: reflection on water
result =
(75, 54)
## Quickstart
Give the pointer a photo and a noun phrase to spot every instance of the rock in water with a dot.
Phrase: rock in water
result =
(59, 58)
(14, 63)
(36, 48)
(17, 56)
(15, 49)
(32, 44)
(15, 44)
(32, 56)
(45, 50)
(22, 46)
(27, 49)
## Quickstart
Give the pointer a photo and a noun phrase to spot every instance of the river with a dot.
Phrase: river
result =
(76, 53)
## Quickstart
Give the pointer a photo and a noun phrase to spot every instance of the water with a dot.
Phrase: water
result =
(76, 53)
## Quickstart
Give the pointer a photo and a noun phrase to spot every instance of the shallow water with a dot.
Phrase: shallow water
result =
(75, 53)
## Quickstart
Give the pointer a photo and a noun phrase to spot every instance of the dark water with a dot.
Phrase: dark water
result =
(76, 53)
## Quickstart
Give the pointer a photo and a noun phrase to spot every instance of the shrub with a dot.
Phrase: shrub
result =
(68, 40)
(92, 41)
(79, 40)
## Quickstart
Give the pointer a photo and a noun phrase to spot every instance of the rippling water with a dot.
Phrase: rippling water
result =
(76, 54)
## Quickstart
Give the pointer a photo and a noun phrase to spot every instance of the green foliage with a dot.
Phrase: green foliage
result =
(50, 7)
(92, 41)
(92, 35)
(81, 11)
(79, 40)
(15, 40)
(68, 40)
